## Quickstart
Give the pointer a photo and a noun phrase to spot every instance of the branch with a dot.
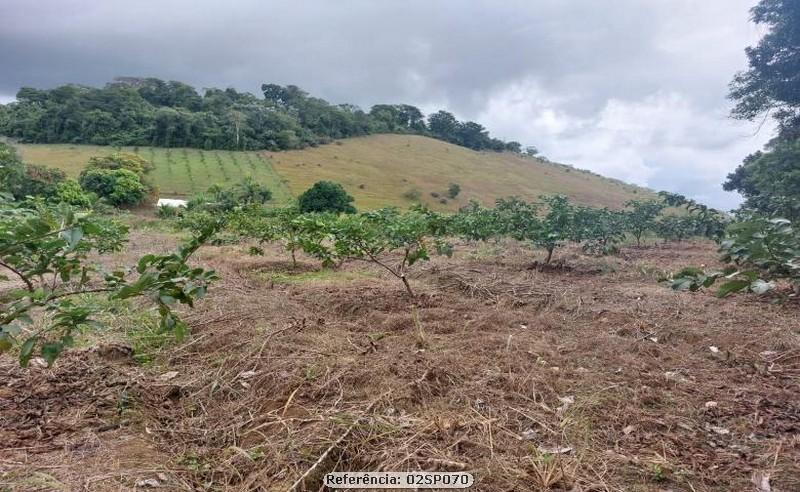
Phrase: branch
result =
(25, 279)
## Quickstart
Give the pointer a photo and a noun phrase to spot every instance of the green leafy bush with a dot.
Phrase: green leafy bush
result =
(121, 160)
(242, 194)
(71, 193)
(23, 180)
(641, 217)
(370, 235)
(120, 187)
(453, 190)
(326, 196)
(759, 252)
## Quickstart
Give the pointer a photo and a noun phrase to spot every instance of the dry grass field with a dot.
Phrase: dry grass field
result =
(379, 169)
(586, 377)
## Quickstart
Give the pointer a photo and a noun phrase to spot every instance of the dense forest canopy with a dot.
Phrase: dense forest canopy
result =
(149, 111)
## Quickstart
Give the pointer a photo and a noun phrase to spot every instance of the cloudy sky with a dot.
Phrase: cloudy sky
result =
(633, 89)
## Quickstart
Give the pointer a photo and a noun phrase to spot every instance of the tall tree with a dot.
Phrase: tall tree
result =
(771, 84)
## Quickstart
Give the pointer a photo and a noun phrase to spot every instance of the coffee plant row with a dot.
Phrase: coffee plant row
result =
(419, 232)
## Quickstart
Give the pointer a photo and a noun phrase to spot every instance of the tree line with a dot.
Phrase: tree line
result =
(761, 250)
(132, 111)
(324, 225)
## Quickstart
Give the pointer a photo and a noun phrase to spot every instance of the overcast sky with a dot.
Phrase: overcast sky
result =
(633, 89)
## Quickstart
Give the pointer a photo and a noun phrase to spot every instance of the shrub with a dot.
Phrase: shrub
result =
(218, 199)
(69, 191)
(453, 190)
(326, 196)
(121, 160)
(168, 212)
(120, 187)
(758, 252)
(413, 194)
(23, 180)
(435, 194)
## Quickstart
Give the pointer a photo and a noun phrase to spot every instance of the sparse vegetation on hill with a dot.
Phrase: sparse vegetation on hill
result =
(379, 170)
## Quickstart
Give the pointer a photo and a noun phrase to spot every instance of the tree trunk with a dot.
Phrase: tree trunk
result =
(294, 260)
(549, 256)
(408, 287)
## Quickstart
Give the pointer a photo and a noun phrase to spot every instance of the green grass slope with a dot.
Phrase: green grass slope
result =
(380, 170)
(377, 170)
(178, 173)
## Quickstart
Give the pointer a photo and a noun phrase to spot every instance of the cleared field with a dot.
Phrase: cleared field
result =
(178, 172)
(591, 378)
(379, 170)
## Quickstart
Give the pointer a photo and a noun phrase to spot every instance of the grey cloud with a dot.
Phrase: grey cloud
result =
(580, 55)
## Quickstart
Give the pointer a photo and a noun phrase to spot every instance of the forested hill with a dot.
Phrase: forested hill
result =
(152, 112)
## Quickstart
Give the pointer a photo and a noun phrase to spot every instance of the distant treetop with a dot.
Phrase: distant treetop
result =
(148, 111)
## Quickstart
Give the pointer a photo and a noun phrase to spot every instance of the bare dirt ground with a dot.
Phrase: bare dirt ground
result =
(591, 377)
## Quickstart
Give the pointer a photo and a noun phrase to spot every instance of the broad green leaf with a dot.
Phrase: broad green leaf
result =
(26, 351)
(5, 342)
(732, 286)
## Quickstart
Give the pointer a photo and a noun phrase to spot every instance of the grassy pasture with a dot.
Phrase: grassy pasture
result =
(379, 170)
(178, 172)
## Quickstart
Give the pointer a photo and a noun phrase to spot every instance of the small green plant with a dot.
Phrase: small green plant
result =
(412, 194)
(453, 190)
(759, 252)
(369, 235)
(47, 250)
(641, 217)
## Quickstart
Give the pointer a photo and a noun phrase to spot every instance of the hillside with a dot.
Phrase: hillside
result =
(178, 173)
(377, 170)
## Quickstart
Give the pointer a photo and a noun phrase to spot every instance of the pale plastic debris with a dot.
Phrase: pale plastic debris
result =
(675, 376)
(554, 449)
(711, 404)
(529, 434)
(566, 401)
(168, 375)
(720, 430)
(171, 202)
(247, 374)
(148, 482)
(627, 430)
(761, 481)
(714, 349)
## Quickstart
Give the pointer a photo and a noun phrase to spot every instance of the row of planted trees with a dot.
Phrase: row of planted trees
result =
(414, 235)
